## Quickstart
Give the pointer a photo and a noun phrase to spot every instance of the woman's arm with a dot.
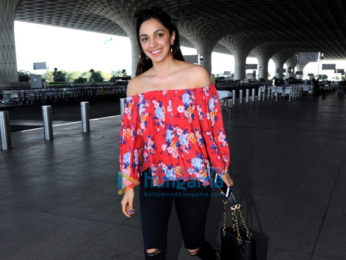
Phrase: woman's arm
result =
(131, 148)
(213, 130)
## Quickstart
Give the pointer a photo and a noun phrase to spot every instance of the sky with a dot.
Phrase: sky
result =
(76, 50)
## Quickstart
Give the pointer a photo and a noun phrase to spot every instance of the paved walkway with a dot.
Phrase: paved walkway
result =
(58, 199)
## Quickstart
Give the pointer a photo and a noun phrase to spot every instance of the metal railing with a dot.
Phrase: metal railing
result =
(59, 94)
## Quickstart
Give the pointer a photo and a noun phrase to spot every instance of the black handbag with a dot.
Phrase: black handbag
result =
(236, 243)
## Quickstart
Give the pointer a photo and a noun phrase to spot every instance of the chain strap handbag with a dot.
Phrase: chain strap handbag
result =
(236, 243)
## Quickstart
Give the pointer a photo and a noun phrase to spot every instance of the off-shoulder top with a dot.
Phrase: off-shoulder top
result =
(178, 133)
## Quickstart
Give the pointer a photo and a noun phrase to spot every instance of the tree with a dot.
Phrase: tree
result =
(72, 75)
(119, 74)
(95, 76)
(80, 80)
(48, 75)
(106, 75)
(124, 73)
(59, 76)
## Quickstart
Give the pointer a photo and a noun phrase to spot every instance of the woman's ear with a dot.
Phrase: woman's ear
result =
(173, 38)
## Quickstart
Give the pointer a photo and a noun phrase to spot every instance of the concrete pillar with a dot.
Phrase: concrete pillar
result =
(239, 65)
(204, 52)
(8, 59)
(300, 67)
(290, 64)
(263, 52)
(198, 34)
(262, 66)
(134, 53)
(278, 70)
(279, 58)
(240, 46)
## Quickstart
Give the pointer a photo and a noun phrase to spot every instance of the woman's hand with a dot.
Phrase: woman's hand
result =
(127, 203)
(227, 179)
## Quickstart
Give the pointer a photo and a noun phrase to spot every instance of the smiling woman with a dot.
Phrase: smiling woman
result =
(151, 41)
(172, 121)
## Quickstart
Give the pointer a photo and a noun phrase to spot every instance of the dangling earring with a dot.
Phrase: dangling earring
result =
(140, 60)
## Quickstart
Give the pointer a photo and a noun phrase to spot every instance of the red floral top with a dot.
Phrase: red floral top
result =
(178, 133)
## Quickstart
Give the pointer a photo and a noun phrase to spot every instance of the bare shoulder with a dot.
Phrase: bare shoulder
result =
(133, 87)
(199, 75)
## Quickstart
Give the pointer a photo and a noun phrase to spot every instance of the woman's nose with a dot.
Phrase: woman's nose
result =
(152, 43)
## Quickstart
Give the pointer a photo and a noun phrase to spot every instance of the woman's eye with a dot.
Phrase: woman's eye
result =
(143, 39)
(160, 35)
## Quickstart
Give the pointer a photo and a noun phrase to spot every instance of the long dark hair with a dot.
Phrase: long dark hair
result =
(144, 63)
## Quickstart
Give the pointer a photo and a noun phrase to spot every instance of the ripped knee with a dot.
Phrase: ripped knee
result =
(193, 251)
(153, 251)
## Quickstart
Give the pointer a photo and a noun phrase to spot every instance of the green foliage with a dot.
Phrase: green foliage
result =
(59, 76)
(48, 76)
(106, 75)
(95, 76)
(324, 76)
(119, 74)
(114, 78)
(80, 80)
(123, 73)
(72, 75)
(269, 75)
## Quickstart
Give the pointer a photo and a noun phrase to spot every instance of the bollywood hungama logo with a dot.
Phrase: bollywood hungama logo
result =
(131, 182)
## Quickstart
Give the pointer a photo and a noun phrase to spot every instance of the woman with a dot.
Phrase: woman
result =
(171, 131)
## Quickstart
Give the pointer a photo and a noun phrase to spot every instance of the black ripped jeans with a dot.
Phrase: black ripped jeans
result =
(191, 200)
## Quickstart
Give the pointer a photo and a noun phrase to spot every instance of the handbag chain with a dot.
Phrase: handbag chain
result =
(235, 223)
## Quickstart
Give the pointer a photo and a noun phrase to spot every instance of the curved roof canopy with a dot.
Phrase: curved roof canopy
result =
(304, 25)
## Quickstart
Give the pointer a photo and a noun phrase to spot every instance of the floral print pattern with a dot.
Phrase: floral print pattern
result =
(178, 133)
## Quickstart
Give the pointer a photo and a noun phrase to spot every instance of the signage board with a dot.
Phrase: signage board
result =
(299, 72)
(328, 66)
(40, 66)
(191, 58)
(251, 66)
(305, 57)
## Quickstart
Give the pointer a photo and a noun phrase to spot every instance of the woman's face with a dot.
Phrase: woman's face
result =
(155, 40)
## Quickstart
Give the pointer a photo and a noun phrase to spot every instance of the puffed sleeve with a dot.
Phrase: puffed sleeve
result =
(131, 142)
(214, 136)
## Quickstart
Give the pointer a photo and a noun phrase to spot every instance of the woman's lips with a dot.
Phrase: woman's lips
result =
(156, 52)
